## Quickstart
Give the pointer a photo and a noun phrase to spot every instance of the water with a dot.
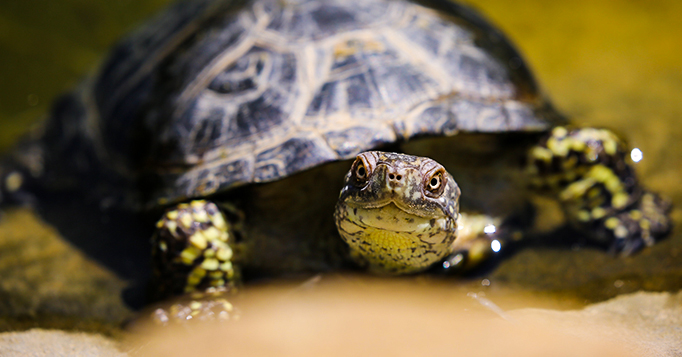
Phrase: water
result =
(604, 63)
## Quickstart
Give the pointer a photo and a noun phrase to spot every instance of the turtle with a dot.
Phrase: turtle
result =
(237, 121)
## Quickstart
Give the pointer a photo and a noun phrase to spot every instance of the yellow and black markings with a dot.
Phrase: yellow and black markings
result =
(587, 171)
(192, 247)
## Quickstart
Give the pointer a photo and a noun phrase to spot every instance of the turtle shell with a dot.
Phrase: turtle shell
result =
(211, 95)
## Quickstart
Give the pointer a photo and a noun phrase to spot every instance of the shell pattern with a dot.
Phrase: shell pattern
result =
(213, 95)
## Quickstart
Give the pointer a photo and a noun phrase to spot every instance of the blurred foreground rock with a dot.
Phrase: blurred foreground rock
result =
(397, 319)
(650, 323)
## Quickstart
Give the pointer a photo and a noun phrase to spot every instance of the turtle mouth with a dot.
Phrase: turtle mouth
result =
(385, 202)
(389, 216)
(398, 203)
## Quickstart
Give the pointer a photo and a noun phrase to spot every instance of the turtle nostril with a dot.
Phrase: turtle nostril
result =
(391, 176)
(398, 177)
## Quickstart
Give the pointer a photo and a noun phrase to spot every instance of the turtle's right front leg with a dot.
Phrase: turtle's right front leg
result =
(193, 251)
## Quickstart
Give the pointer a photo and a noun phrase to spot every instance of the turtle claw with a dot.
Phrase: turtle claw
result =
(472, 253)
(626, 247)
(203, 307)
(455, 263)
(476, 254)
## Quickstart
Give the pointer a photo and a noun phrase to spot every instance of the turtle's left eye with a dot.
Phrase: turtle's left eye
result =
(434, 185)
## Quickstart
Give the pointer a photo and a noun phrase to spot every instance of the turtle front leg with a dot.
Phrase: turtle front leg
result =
(588, 170)
(193, 251)
(480, 238)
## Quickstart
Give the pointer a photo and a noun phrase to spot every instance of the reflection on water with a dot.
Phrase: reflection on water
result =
(636, 155)
(605, 63)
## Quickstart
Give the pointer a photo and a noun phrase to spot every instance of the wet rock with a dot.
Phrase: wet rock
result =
(48, 283)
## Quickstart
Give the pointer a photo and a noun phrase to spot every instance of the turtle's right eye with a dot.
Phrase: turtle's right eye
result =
(360, 172)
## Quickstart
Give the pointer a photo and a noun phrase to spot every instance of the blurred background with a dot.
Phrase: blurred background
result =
(607, 63)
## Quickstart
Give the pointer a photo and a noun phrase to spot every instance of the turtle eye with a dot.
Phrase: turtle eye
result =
(434, 185)
(360, 172)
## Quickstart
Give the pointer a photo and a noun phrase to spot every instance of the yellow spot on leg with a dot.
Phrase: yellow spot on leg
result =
(218, 282)
(189, 254)
(212, 233)
(198, 240)
(218, 221)
(583, 216)
(198, 204)
(542, 154)
(610, 147)
(224, 254)
(558, 147)
(598, 213)
(172, 215)
(216, 274)
(200, 216)
(194, 278)
(620, 232)
(186, 220)
(226, 267)
(645, 224)
(14, 181)
(620, 199)
(576, 189)
(210, 264)
(636, 214)
(559, 132)
(612, 223)
(172, 227)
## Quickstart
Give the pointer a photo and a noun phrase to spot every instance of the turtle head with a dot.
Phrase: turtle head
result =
(398, 213)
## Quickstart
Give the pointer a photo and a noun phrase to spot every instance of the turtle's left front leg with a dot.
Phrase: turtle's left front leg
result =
(588, 171)
(481, 237)
(193, 255)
